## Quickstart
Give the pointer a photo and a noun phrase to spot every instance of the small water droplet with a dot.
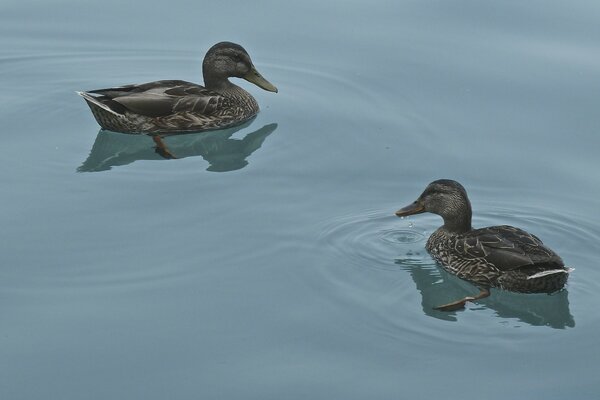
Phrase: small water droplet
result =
(410, 224)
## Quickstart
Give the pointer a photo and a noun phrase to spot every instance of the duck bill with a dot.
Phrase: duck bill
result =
(414, 208)
(255, 77)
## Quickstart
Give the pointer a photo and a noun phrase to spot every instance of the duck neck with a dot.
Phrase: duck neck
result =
(458, 222)
(217, 83)
(227, 89)
(457, 226)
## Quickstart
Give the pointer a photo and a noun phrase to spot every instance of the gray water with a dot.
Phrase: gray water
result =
(266, 262)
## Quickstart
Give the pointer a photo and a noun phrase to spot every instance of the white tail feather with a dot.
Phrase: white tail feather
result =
(550, 272)
(94, 100)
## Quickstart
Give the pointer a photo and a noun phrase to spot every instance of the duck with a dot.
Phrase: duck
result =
(503, 257)
(172, 106)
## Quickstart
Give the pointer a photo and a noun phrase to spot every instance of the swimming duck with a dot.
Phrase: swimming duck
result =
(170, 106)
(497, 256)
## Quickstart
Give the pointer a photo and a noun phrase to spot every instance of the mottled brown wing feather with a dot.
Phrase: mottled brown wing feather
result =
(507, 248)
(163, 98)
(149, 105)
(139, 88)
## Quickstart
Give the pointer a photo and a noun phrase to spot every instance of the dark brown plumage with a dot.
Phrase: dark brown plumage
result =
(498, 256)
(170, 106)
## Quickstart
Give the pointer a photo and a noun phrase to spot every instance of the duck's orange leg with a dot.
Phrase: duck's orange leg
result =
(458, 304)
(161, 147)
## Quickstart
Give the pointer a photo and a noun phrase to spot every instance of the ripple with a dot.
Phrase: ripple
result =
(372, 239)
(376, 240)
(401, 236)
(317, 88)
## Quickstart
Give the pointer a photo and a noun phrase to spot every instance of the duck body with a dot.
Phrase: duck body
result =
(502, 256)
(499, 256)
(170, 106)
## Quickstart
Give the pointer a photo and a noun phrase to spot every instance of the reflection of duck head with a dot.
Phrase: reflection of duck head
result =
(435, 285)
(222, 152)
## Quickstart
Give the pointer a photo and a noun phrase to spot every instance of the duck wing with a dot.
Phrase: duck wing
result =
(507, 248)
(161, 98)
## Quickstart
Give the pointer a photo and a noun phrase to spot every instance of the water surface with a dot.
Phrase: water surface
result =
(265, 261)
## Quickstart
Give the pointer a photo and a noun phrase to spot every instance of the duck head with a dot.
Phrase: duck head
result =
(446, 198)
(226, 60)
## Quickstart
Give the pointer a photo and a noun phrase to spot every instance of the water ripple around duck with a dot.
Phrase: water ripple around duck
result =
(376, 240)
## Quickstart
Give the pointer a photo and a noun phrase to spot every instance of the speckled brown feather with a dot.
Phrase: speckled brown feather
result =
(167, 106)
(498, 256)
(171, 106)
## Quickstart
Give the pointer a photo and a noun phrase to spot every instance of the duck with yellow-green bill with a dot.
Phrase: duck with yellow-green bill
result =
(171, 106)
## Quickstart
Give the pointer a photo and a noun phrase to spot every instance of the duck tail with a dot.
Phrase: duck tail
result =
(96, 102)
(551, 272)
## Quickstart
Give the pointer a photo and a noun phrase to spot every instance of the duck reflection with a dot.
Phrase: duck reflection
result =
(222, 152)
(437, 286)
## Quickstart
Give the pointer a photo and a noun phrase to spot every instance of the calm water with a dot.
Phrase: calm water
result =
(265, 262)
